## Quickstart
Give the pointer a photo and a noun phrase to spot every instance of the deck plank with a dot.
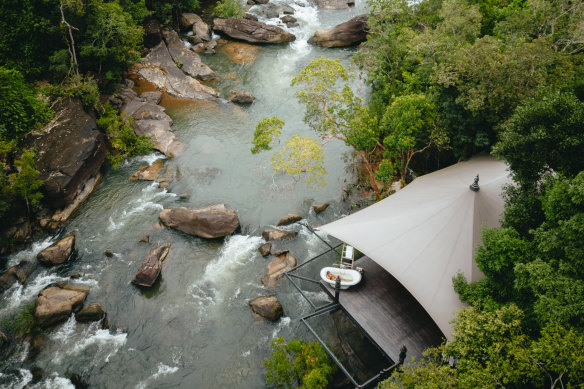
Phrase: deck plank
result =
(389, 314)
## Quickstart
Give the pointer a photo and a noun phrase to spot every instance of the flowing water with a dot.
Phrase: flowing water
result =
(194, 328)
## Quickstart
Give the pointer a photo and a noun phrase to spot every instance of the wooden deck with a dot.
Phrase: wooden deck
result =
(388, 312)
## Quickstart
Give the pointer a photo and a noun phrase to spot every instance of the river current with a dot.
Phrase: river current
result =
(194, 328)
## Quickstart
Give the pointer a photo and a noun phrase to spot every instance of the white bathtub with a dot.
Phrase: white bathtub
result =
(349, 277)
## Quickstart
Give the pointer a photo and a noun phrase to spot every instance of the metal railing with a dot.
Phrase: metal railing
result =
(332, 307)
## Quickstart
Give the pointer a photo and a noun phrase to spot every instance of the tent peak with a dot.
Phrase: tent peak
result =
(475, 185)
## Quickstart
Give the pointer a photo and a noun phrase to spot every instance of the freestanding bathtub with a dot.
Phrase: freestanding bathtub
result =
(349, 277)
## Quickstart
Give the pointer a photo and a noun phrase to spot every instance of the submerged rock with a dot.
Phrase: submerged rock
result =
(318, 208)
(349, 33)
(241, 97)
(267, 307)
(273, 234)
(55, 303)
(156, 172)
(252, 31)
(58, 252)
(277, 267)
(242, 53)
(151, 267)
(210, 222)
(92, 312)
(288, 219)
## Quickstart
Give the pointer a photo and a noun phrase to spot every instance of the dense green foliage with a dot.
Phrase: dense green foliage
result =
(476, 60)
(301, 157)
(122, 137)
(169, 10)
(504, 74)
(20, 109)
(55, 38)
(298, 364)
(229, 9)
(23, 322)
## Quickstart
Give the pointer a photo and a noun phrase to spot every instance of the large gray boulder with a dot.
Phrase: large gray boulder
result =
(210, 222)
(159, 69)
(189, 61)
(335, 4)
(151, 120)
(58, 252)
(267, 307)
(201, 31)
(18, 273)
(349, 33)
(55, 303)
(252, 31)
(277, 267)
(151, 267)
(70, 150)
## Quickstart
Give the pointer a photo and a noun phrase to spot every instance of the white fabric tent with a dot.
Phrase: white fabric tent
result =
(427, 232)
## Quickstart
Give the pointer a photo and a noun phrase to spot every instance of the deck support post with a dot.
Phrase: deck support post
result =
(337, 289)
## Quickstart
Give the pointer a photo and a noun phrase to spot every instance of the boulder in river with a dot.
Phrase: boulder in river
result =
(159, 69)
(151, 267)
(252, 31)
(348, 33)
(277, 267)
(265, 249)
(58, 252)
(92, 312)
(241, 97)
(288, 219)
(210, 222)
(273, 234)
(335, 4)
(267, 306)
(55, 303)
(18, 273)
(151, 120)
(201, 30)
(318, 208)
(187, 60)
(156, 172)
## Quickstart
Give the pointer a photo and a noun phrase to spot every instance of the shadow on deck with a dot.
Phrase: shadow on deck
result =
(388, 313)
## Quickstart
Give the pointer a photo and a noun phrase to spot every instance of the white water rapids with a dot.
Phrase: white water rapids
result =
(194, 328)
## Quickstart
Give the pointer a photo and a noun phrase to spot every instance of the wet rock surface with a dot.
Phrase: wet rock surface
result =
(210, 222)
(58, 252)
(267, 307)
(151, 267)
(349, 33)
(55, 303)
(252, 31)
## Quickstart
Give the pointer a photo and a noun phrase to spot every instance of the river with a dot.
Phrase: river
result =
(194, 329)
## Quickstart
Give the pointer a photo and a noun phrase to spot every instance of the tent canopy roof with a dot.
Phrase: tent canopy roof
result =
(427, 232)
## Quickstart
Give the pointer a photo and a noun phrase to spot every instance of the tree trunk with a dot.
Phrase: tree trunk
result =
(370, 173)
